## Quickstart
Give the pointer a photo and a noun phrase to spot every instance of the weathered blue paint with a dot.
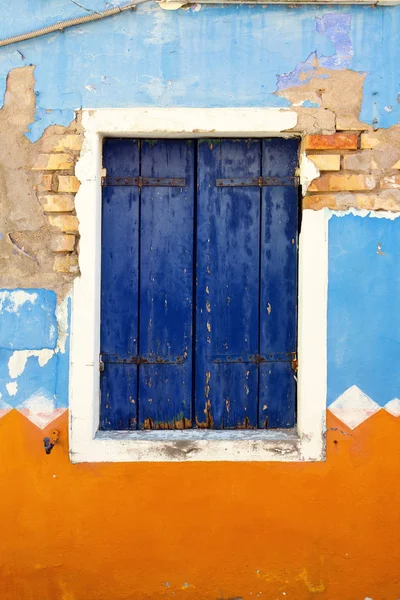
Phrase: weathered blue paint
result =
(147, 263)
(245, 243)
(28, 323)
(246, 288)
(363, 301)
(228, 282)
(278, 293)
(166, 285)
(120, 282)
(218, 56)
(27, 319)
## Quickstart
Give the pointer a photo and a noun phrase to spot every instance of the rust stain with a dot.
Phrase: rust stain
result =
(209, 421)
(269, 308)
(177, 423)
(245, 424)
(208, 306)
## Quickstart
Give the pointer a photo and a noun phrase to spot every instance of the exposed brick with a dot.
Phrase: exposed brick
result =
(320, 201)
(342, 182)
(46, 183)
(326, 162)
(69, 142)
(358, 161)
(68, 183)
(335, 141)
(386, 200)
(53, 162)
(368, 141)
(391, 183)
(58, 202)
(66, 263)
(63, 243)
(66, 223)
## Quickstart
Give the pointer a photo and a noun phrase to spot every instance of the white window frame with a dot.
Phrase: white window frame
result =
(306, 442)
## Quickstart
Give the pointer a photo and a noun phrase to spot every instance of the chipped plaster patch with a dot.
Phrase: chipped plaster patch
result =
(372, 214)
(308, 172)
(62, 321)
(17, 361)
(14, 300)
(12, 388)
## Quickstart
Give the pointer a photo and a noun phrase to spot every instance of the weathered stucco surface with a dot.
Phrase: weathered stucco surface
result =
(30, 202)
(121, 531)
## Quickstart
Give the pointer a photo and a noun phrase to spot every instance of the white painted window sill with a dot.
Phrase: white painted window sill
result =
(191, 445)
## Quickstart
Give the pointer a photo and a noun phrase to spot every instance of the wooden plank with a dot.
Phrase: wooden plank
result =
(118, 384)
(166, 285)
(119, 286)
(278, 294)
(277, 396)
(228, 235)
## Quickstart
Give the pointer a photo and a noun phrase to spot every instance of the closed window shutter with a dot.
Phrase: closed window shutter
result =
(278, 292)
(199, 284)
(147, 284)
(119, 286)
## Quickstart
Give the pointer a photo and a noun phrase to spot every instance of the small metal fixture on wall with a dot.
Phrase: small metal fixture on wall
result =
(50, 442)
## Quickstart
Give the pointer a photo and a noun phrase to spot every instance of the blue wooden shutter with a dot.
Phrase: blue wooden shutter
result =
(278, 292)
(246, 284)
(119, 286)
(228, 258)
(166, 286)
(147, 284)
(241, 228)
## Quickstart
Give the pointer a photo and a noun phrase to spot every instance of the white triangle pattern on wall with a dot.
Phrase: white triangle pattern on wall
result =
(353, 407)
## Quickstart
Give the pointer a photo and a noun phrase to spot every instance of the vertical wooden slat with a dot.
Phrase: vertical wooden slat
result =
(227, 285)
(166, 285)
(278, 294)
(119, 285)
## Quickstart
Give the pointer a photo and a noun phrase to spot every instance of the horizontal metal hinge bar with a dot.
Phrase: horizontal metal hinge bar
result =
(149, 359)
(254, 358)
(257, 181)
(145, 181)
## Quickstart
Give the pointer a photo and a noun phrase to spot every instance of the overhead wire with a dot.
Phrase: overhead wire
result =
(61, 25)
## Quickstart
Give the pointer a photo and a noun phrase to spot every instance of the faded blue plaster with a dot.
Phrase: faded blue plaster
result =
(363, 307)
(36, 324)
(218, 56)
(31, 325)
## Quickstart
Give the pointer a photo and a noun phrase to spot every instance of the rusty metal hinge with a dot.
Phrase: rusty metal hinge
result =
(101, 364)
(295, 363)
(144, 181)
(257, 181)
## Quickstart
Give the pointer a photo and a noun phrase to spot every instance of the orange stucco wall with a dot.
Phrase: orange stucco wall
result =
(201, 530)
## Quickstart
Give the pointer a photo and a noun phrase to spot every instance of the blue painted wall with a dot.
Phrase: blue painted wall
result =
(215, 56)
(28, 323)
(363, 307)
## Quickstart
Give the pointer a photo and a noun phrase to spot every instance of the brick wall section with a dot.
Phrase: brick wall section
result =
(56, 186)
(357, 170)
